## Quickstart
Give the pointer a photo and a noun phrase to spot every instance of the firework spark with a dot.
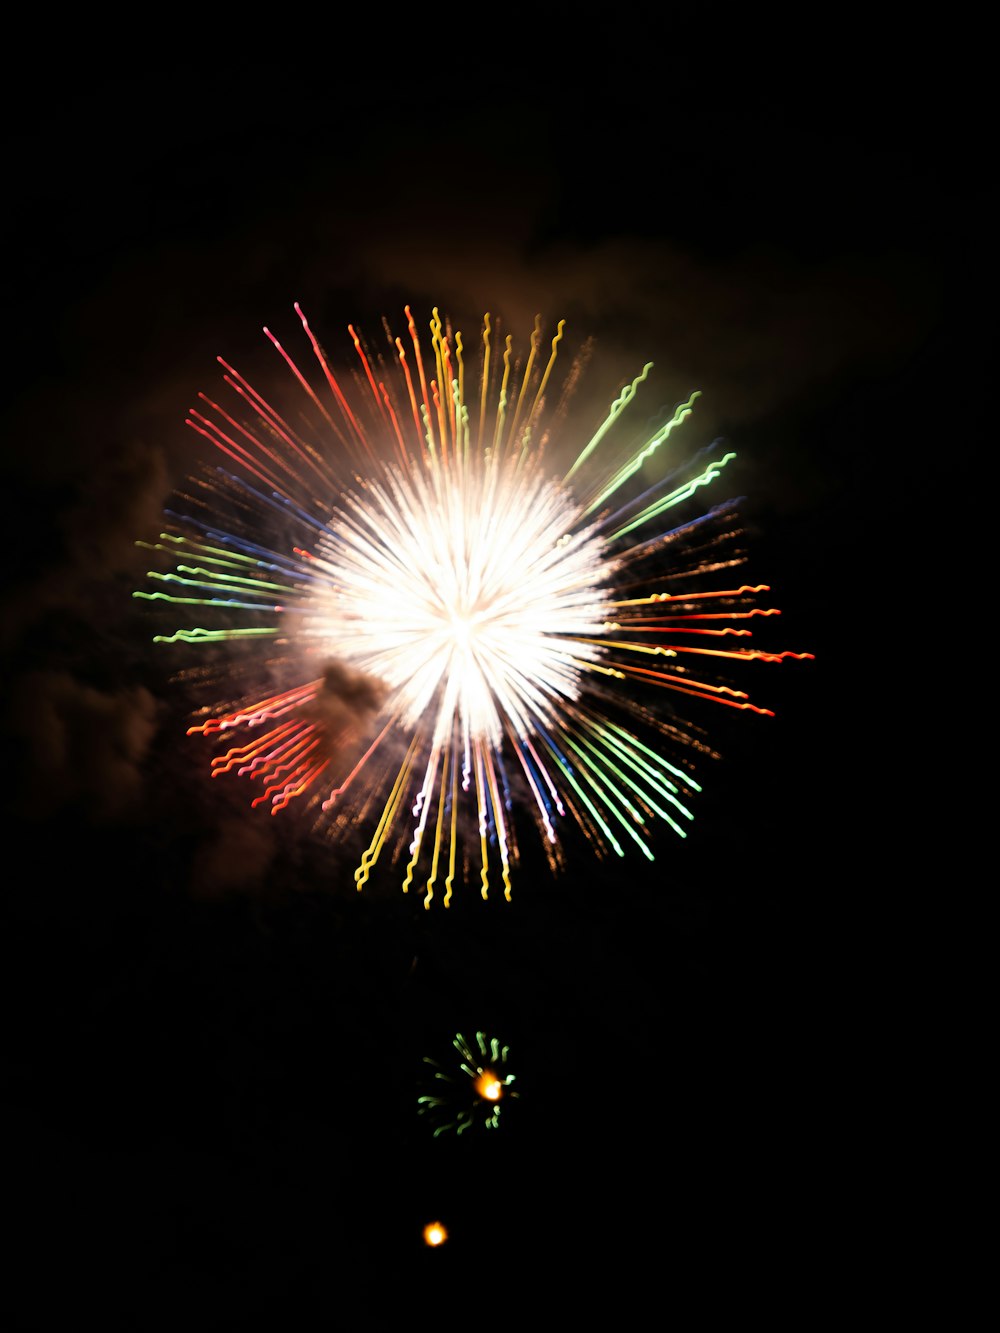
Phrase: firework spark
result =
(483, 633)
(472, 1090)
(435, 1234)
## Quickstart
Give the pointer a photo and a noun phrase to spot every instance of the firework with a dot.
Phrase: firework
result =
(435, 1234)
(429, 623)
(472, 1090)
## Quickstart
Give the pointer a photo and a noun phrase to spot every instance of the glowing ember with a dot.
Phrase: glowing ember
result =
(488, 1086)
(435, 1234)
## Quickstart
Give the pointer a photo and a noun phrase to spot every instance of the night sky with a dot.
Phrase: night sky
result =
(213, 1042)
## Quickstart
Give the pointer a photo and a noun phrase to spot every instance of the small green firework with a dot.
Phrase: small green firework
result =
(473, 1092)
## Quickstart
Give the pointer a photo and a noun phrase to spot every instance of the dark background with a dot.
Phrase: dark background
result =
(212, 1041)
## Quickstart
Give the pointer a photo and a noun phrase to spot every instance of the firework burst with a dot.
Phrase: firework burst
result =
(450, 625)
(471, 1090)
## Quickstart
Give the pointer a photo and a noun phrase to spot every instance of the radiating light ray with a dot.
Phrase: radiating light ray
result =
(486, 623)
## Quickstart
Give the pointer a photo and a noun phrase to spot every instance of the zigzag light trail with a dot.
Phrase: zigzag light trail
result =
(482, 608)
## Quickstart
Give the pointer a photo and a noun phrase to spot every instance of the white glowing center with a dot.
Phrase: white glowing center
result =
(458, 588)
